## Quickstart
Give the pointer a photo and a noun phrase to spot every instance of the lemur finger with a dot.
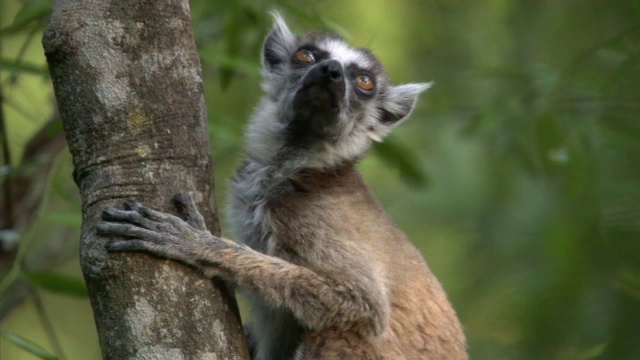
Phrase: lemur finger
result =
(128, 245)
(123, 229)
(133, 217)
(157, 215)
(188, 209)
(132, 205)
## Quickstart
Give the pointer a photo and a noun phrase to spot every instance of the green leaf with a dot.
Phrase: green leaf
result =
(13, 66)
(315, 19)
(236, 22)
(31, 11)
(27, 345)
(57, 283)
(628, 282)
(595, 351)
(405, 160)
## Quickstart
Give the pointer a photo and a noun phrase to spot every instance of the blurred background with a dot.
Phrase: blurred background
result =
(518, 176)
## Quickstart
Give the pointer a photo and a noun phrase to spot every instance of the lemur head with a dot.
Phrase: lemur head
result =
(326, 102)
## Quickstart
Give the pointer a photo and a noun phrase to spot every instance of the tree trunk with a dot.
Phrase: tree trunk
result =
(128, 83)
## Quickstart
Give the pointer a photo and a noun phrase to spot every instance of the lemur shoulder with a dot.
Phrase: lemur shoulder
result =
(328, 274)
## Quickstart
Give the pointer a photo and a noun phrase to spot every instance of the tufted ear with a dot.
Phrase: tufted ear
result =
(398, 104)
(278, 44)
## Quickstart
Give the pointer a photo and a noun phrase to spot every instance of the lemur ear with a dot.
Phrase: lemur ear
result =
(398, 104)
(276, 48)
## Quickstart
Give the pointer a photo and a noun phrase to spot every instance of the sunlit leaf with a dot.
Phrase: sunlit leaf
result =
(27, 345)
(57, 283)
(595, 351)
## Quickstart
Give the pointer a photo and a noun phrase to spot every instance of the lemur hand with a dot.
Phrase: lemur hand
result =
(161, 234)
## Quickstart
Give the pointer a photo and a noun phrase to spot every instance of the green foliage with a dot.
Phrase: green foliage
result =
(403, 158)
(525, 153)
(17, 67)
(57, 283)
(31, 16)
(27, 345)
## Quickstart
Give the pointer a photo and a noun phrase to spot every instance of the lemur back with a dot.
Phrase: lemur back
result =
(361, 289)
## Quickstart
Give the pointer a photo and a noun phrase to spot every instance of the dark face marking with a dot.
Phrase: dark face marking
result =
(270, 52)
(353, 70)
(317, 105)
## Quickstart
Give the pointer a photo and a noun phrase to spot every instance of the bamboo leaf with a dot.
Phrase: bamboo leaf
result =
(13, 66)
(31, 11)
(57, 283)
(27, 345)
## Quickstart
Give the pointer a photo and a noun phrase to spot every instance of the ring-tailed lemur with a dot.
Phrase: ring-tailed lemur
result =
(329, 275)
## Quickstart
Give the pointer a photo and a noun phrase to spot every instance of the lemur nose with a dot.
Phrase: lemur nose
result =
(333, 71)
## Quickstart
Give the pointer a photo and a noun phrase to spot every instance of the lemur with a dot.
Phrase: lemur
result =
(329, 276)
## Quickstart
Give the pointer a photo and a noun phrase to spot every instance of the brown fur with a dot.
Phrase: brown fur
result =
(332, 225)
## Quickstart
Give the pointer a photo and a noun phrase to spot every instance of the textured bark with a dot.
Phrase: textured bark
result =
(128, 83)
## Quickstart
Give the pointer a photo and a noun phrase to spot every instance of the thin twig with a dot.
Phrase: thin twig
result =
(23, 49)
(46, 322)
(6, 161)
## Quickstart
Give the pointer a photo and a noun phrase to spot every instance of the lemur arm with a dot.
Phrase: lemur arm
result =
(318, 301)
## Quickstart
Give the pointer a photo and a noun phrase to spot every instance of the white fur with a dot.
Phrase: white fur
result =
(344, 53)
(264, 133)
(281, 26)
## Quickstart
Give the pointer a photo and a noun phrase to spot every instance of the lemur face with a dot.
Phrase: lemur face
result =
(330, 100)
(334, 86)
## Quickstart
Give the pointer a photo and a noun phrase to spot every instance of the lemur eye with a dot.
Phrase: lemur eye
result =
(305, 56)
(365, 82)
